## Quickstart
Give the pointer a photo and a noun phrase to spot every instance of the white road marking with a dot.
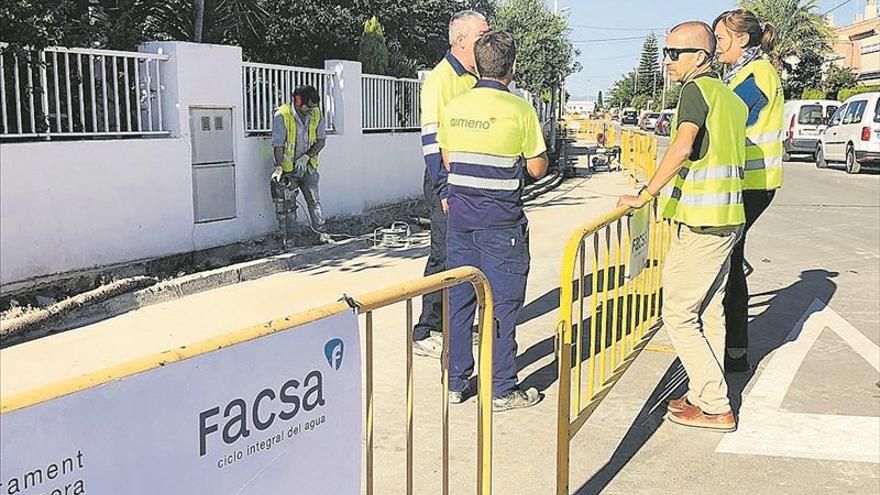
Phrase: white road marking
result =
(767, 429)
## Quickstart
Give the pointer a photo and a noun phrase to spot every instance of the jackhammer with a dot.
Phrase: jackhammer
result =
(285, 202)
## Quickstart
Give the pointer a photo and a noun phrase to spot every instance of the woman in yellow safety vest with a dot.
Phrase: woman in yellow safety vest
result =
(743, 42)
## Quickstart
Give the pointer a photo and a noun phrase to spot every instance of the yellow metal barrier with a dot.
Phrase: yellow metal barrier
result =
(623, 313)
(589, 130)
(365, 304)
(638, 154)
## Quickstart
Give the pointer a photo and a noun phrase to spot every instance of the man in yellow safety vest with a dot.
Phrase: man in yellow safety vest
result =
(452, 76)
(298, 135)
(701, 177)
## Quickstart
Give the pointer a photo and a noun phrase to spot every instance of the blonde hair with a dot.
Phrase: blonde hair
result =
(742, 21)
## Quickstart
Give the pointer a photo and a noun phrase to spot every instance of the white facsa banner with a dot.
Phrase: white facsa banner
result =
(638, 231)
(279, 414)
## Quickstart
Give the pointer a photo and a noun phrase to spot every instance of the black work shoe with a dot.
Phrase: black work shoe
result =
(737, 365)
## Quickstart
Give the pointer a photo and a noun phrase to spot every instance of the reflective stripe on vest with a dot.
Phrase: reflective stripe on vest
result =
(484, 159)
(430, 128)
(708, 192)
(764, 143)
(286, 113)
(486, 183)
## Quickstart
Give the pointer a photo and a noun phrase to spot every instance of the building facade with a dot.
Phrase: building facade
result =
(858, 44)
(580, 107)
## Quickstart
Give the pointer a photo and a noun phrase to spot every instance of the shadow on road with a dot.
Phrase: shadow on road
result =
(768, 330)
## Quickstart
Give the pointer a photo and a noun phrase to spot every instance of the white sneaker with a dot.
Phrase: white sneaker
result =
(516, 399)
(431, 346)
(457, 397)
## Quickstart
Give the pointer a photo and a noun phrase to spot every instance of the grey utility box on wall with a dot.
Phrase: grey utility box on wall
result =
(213, 164)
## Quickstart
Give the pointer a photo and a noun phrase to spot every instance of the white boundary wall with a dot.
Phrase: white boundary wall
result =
(68, 206)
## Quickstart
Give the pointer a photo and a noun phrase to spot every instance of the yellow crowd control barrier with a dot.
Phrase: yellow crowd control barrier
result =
(364, 304)
(589, 129)
(638, 154)
(621, 316)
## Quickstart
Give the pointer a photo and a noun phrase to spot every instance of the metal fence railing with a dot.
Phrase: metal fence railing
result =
(389, 104)
(265, 87)
(77, 92)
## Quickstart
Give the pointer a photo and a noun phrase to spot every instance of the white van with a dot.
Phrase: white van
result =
(853, 134)
(802, 121)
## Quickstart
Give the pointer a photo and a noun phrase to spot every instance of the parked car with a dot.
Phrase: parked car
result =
(803, 119)
(664, 123)
(852, 135)
(649, 121)
(629, 117)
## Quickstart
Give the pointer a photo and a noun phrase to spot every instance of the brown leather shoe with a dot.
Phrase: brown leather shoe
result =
(678, 405)
(693, 416)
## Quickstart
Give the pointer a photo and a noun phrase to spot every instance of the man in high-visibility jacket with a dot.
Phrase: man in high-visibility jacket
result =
(490, 140)
(451, 77)
(298, 135)
(701, 179)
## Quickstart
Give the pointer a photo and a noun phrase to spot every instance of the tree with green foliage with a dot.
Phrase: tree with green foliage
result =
(600, 102)
(670, 97)
(806, 74)
(813, 94)
(847, 93)
(40, 23)
(623, 91)
(837, 78)
(802, 40)
(373, 53)
(292, 32)
(650, 80)
(639, 102)
(123, 24)
(545, 54)
(416, 31)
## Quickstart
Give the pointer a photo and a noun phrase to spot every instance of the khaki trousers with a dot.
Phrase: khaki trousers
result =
(694, 280)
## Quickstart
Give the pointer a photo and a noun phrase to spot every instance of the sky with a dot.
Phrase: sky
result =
(595, 21)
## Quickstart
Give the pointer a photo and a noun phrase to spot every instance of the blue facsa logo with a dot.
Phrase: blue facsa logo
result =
(333, 351)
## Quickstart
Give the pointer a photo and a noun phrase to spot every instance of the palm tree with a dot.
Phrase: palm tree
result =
(210, 21)
(800, 29)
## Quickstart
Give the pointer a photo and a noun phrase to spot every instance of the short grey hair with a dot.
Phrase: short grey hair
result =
(457, 23)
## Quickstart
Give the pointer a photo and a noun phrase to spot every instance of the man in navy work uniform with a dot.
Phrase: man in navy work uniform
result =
(450, 78)
(489, 139)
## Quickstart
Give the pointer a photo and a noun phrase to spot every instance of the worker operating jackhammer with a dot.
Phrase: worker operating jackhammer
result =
(298, 135)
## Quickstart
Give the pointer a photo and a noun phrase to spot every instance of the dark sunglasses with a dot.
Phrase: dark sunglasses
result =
(675, 53)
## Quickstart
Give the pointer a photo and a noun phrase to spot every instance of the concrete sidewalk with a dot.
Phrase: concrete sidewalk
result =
(625, 447)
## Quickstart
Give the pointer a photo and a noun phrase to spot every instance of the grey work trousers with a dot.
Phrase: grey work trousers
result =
(308, 185)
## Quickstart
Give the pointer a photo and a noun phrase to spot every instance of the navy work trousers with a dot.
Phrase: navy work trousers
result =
(503, 256)
(432, 304)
